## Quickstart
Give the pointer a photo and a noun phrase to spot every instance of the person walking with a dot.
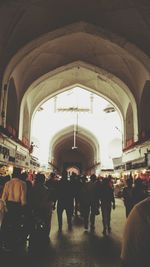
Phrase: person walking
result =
(41, 203)
(139, 192)
(14, 195)
(90, 202)
(52, 184)
(107, 200)
(65, 197)
(127, 195)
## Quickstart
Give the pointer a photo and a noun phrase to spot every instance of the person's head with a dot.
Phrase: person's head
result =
(83, 178)
(93, 177)
(109, 177)
(64, 175)
(129, 182)
(106, 182)
(24, 176)
(52, 176)
(40, 178)
(16, 173)
(138, 182)
(73, 176)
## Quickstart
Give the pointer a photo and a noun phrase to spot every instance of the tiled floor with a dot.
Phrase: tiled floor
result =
(76, 248)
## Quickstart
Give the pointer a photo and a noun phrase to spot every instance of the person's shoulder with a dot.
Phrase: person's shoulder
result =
(143, 205)
(22, 184)
(141, 210)
(19, 181)
(8, 182)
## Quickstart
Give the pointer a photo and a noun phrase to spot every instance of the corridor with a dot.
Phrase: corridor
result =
(78, 248)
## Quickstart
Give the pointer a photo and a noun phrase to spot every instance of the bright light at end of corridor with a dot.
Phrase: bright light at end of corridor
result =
(77, 106)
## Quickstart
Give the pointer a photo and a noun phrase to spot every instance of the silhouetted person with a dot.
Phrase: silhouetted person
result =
(136, 238)
(111, 184)
(40, 202)
(24, 178)
(3, 181)
(82, 197)
(27, 213)
(76, 184)
(107, 202)
(3, 210)
(90, 201)
(127, 195)
(65, 196)
(139, 192)
(52, 184)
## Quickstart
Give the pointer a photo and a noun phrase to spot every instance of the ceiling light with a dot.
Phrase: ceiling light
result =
(109, 109)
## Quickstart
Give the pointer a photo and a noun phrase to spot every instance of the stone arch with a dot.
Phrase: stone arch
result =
(87, 152)
(56, 51)
(80, 32)
(88, 77)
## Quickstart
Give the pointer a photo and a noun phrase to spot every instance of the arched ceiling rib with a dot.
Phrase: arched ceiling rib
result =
(65, 146)
(114, 69)
(81, 73)
(83, 134)
(128, 18)
(37, 57)
(79, 41)
(35, 67)
(86, 76)
(48, 65)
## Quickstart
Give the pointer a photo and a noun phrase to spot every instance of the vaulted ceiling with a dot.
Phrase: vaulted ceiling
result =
(67, 147)
(23, 21)
(50, 45)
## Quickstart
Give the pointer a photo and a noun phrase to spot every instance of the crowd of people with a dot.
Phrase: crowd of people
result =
(77, 196)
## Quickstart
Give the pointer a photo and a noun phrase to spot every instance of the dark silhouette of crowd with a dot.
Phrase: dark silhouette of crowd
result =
(76, 195)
